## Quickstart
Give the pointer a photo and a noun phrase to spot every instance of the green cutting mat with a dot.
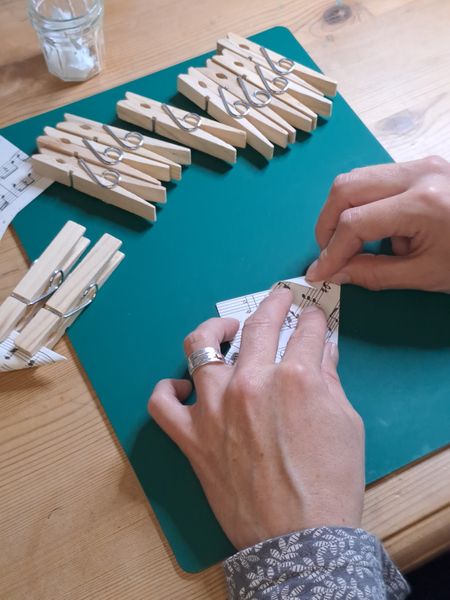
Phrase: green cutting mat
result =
(227, 231)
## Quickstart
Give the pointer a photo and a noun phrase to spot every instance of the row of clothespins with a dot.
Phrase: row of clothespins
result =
(53, 293)
(255, 96)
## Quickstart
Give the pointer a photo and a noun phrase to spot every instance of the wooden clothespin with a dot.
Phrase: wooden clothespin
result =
(228, 44)
(104, 135)
(279, 85)
(281, 65)
(43, 278)
(223, 105)
(174, 152)
(101, 154)
(75, 294)
(216, 139)
(106, 184)
(60, 144)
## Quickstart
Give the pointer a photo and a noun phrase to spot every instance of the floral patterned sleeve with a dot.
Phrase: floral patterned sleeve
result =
(327, 563)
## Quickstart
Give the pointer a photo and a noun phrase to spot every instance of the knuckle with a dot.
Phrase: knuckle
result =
(243, 386)
(195, 338)
(429, 193)
(349, 218)
(298, 374)
(436, 163)
(341, 181)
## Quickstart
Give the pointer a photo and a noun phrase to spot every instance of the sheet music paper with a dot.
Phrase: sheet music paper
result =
(19, 185)
(326, 295)
(11, 359)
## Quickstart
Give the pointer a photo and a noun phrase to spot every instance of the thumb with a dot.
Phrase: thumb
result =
(378, 272)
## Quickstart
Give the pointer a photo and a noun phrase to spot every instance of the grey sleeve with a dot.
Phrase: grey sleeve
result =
(326, 563)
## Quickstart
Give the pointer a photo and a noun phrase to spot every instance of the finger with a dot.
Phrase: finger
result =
(385, 218)
(166, 409)
(378, 272)
(358, 187)
(307, 343)
(211, 333)
(261, 331)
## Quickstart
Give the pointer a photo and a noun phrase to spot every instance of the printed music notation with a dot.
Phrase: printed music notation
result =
(12, 164)
(19, 185)
(12, 359)
(325, 295)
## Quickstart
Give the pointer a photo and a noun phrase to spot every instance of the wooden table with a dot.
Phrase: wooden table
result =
(74, 523)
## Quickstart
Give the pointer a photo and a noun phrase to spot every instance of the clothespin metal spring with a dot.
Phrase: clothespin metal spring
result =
(126, 142)
(93, 287)
(278, 66)
(266, 82)
(112, 176)
(52, 287)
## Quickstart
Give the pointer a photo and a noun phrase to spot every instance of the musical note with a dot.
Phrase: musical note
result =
(326, 296)
(25, 182)
(11, 165)
(19, 185)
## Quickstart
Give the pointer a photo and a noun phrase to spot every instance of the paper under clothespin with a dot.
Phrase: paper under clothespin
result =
(282, 65)
(206, 135)
(50, 296)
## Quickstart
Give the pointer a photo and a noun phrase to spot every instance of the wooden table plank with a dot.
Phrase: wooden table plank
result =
(74, 523)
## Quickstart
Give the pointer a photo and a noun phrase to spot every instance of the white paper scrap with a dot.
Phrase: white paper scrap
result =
(19, 184)
(326, 295)
(11, 359)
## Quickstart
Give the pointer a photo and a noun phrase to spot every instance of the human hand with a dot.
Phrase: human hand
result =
(276, 447)
(408, 202)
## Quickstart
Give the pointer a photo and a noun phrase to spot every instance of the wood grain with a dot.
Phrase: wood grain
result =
(74, 523)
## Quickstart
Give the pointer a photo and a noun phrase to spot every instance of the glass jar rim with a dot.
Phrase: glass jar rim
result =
(94, 13)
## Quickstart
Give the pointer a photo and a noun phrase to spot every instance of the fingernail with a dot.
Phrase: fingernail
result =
(310, 273)
(340, 278)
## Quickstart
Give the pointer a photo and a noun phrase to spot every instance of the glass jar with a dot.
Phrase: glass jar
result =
(71, 36)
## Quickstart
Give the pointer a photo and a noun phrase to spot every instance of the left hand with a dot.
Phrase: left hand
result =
(276, 447)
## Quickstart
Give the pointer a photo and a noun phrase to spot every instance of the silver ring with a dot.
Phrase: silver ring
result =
(204, 356)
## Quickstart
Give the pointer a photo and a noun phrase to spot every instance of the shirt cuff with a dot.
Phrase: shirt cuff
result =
(315, 564)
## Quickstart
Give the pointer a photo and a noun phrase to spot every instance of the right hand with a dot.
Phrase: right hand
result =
(276, 447)
(407, 202)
